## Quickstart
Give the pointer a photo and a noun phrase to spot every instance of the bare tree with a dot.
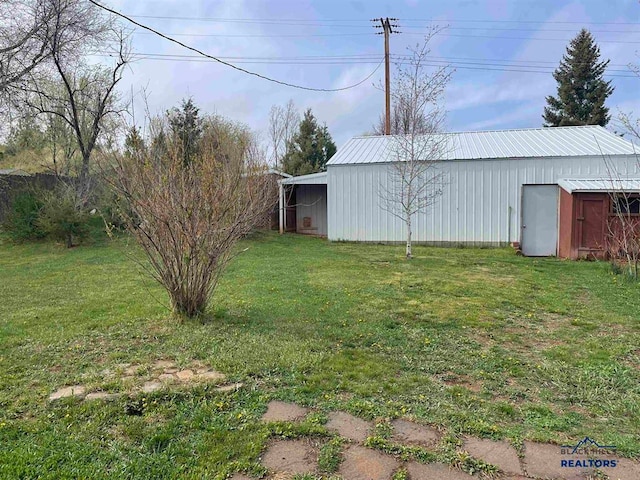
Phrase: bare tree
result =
(32, 31)
(283, 122)
(401, 121)
(188, 218)
(66, 91)
(82, 97)
(414, 180)
(24, 28)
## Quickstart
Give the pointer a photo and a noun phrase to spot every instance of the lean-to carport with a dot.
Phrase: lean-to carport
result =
(306, 195)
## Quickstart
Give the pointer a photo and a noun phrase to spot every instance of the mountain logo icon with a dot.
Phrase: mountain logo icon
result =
(587, 442)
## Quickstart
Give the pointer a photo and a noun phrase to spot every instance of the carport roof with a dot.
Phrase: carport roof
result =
(585, 185)
(311, 179)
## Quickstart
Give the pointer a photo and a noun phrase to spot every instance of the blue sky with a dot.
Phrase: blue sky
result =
(483, 39)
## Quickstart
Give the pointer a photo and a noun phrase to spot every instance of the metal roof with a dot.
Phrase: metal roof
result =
(572, 185)
(311, 179)
(591, 140)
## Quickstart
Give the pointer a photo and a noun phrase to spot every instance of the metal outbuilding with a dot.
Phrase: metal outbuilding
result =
(500, 187)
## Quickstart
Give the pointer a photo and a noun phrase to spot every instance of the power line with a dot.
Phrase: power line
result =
(308, 21)
(498, 67)
(248, 72)
(464, 29)
(524, 38)
(445, 32)
(554, 22)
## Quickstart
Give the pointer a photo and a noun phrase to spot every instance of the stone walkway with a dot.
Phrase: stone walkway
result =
(286, 458)
(148, 379)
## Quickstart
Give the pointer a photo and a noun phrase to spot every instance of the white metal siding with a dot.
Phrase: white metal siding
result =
(311, 201)
(474, 207)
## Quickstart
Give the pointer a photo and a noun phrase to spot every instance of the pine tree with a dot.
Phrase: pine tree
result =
(582, 91)
(310, 148)
(186, 124)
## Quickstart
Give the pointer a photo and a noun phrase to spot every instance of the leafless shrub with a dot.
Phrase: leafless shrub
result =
(188, 218)
(622, 243)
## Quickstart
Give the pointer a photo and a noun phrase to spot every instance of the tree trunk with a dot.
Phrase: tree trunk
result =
(408, 252)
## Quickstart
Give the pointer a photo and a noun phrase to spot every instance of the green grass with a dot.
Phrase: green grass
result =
(471, 341)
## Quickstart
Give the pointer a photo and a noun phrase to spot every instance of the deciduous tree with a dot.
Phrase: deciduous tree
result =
(414, 181)
(283, 122)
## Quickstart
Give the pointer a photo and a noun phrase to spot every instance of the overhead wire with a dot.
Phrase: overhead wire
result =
(228, 64)
(524, 66)
(307, 21)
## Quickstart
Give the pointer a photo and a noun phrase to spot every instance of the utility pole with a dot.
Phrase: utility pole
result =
(387, 29)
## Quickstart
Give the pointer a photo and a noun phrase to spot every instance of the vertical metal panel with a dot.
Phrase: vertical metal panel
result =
(474, 207)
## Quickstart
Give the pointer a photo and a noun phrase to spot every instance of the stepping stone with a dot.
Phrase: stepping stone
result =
(184, 375)
(436, 471)
(348, 426)
(413, 433)
(166, 377)
(230, 388)
(162, 364)
(65, 392)
(543, 460)
(291, 456)
(171, 370)
(151, 386)
(101, 396)
(283, 412)
(211, 376)
(500, 454)
(362, 463)
(624, 470)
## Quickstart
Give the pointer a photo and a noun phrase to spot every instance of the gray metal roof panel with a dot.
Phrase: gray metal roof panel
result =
(589, 140)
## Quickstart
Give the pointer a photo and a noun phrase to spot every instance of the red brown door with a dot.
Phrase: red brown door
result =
(591, 223)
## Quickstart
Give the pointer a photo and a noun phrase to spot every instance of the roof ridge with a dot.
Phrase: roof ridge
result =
(527, 129)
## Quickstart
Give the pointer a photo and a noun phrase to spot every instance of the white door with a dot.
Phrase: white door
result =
(539, 236)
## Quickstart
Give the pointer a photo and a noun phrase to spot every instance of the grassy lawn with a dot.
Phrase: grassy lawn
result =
(471, 341)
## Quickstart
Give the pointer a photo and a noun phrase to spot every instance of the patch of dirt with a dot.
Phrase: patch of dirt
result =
(362, 463)
(411, 433)
(349, 427)
(240, 476)
(500, 454)
(440, 471)
(284, 412)
(291, 456)
(466, 381)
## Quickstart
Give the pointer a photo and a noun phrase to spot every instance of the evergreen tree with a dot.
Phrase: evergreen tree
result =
(133, 141)
(186, 124)
(310, 148)
(582, 91)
